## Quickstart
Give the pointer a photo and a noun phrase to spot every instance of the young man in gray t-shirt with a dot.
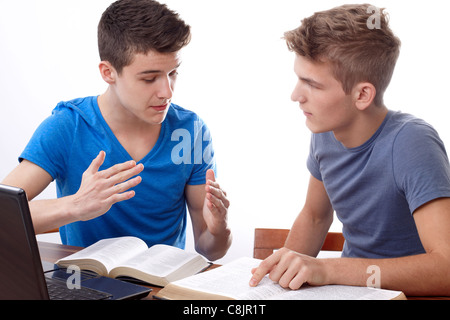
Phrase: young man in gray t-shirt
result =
(385, 174)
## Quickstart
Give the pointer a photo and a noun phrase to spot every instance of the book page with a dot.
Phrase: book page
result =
(160, 260)
(337, 292)
(110, 252)
(232, 280)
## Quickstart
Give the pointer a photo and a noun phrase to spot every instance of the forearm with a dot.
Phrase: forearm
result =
(214, 246)
(98, 191)
(208, 207)
(308, 233)
(51, 214)
(419, 275)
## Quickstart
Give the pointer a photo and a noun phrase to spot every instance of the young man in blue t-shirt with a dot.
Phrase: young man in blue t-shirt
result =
(384, 173)
(129, 161)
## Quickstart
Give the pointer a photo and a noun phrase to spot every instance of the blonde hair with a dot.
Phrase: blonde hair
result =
(357, 50)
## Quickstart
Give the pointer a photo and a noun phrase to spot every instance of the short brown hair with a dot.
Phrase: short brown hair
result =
(128, 27)
(356, 52)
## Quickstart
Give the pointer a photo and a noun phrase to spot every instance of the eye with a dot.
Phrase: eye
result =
(309, 84)
(173, 73)
(149, 80)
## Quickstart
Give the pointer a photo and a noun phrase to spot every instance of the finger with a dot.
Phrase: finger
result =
(214, 184)
(221, 204)
(97, 162)
(122, 171)
(264, 268)
(214, 188)
(283, 277)
(297, 281)
(215, 205)
(210, 175)
(127, 174)
(115, 169)
(124, 186)
(277, 273)
(217, 192)
(119, 192)
(118, 197)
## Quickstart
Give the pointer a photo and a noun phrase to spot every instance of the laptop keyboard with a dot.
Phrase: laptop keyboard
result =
(58, 290)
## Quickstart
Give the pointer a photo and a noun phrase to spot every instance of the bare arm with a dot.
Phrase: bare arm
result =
(30, 177)
(208, 207)
(419, 275)
(306, 236)
(312, 224)
(99, 190)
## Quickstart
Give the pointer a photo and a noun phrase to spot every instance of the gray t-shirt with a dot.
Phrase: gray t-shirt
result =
(376, 187)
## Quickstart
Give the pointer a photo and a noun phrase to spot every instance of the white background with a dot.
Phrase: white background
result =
(237, 74)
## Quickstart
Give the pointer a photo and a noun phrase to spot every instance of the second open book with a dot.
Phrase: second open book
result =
(231, 281)
(129, 257)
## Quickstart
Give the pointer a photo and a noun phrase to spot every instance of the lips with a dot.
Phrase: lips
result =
(307, 114)
(160, 108)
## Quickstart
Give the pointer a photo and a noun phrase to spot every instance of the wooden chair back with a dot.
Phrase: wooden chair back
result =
(268, 240)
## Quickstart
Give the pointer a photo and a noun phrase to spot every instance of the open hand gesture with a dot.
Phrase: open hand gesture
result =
(99, 190)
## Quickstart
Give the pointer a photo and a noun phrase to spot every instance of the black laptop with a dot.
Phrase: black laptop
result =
(22, 273)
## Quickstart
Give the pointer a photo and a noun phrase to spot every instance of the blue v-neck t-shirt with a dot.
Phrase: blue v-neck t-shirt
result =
(66, 143)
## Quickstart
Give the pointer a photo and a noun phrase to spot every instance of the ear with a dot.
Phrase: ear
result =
(107, 72)
(364, 94)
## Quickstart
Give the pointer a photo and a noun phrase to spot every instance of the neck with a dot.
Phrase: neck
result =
(363, 127)
(136, 136)
(120, 119)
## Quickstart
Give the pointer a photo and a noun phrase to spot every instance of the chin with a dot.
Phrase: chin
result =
(316, 129)
(157, 120)
(154, 118)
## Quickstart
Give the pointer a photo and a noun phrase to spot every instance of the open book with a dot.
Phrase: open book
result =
(129, 257)
(230, 282)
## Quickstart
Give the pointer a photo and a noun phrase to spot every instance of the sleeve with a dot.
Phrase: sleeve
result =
(312, 162)
(49, 146)
(203, 154)
(421, 166)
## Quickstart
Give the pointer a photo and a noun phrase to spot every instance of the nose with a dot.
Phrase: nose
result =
(165, 89)
(298, 95)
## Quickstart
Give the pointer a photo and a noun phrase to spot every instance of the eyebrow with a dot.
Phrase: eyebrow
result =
(311, 81)
(156, 71)
(149, 71)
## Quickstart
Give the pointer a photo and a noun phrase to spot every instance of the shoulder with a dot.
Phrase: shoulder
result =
(84, 108)
(417, 149)
(65, 118)
(64, 121)
(401, 123)
(411, 134)
(179, 115)
(420, 163)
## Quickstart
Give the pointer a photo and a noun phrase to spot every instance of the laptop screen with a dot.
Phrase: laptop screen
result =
(21, 274)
